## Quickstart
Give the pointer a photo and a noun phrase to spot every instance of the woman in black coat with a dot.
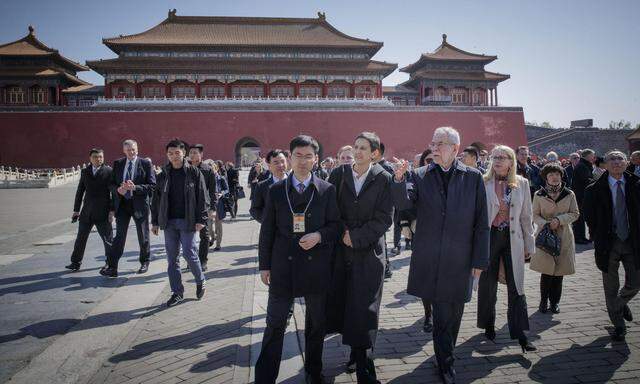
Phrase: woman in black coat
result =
(364, 200)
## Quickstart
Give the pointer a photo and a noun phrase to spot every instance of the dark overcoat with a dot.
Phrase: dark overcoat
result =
(145, 180)
(354, 300)
(294, 271)
(452, 231)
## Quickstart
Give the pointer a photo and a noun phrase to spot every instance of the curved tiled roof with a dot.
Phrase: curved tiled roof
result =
(242, 31)
(31, 46)
(447, 51)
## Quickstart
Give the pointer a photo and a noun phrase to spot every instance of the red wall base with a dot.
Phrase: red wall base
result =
(63, 139)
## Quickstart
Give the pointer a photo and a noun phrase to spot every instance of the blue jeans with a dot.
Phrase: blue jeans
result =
(177, 234)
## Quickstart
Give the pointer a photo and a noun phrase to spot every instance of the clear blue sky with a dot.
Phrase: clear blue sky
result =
(567, 59)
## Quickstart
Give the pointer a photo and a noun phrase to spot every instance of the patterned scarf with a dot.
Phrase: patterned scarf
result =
(553, 189)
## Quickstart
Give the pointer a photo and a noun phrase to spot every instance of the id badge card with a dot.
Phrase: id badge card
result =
(298, 223)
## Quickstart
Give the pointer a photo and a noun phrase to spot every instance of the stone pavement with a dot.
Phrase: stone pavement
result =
(128, 337)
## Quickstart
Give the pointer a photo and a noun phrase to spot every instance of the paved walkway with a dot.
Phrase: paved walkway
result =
(126, 336)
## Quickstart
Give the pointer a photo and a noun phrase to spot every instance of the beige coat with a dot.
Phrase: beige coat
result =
(566, 210)
(521, 225)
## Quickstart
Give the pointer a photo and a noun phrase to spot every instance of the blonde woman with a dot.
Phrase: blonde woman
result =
(346, 155)
(512, 241)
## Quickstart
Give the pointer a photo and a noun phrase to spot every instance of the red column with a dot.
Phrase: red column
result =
(107, 90)
(296, 89)
(167, 89)
(197, 90)
(421, 93)
(267, 89)
(324, 89)
(58, 95)
(352, 90)
(496, 92)
(138, 92)
(227, 89)
(379, 90)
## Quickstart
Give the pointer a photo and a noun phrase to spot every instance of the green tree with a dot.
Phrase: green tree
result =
(621, 124)
(546, 124)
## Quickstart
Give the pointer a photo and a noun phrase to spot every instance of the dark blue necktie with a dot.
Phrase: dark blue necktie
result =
(622, 226)
(128, 177)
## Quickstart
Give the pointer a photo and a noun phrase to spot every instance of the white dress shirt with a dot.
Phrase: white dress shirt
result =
(613, 186)
(358, 182)
(297, 182)
(133, 168)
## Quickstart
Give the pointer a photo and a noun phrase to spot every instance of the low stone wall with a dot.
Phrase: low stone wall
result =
(566, 141)
(14, 178)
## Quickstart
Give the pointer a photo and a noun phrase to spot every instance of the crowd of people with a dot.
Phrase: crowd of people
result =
(472, 218)
(187, 195)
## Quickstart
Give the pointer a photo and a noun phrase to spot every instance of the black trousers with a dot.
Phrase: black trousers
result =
(84, 229)
(268, 364)
(203, 248)
(517, 316)
(397, 229)
(427, 307)
(446, 324)
(550, 288)
(123, 217)
(579, 225)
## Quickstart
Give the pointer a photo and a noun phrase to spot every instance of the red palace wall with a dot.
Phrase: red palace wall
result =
(62, 139)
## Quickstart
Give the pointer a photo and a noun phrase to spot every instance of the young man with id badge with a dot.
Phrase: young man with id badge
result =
(299, 229)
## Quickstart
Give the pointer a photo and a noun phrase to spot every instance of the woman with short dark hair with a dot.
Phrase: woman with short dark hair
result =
(554, 205)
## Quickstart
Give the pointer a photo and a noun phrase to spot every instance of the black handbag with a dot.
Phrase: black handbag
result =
(548, 241)
(240, 192)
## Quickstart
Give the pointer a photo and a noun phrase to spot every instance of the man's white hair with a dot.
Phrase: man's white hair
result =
(552, 156)
(129, 143)
(453, 137)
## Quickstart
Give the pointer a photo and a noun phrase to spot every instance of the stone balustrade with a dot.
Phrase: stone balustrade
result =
(14, 177)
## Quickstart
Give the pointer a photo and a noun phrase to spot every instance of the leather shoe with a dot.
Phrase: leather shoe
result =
(73, 266)
(448, 375)
(490, 333)
(200, 289)
(543, 307)
(314, 379)
(109, 272)
(144, 267)
(555, 308)
(388, 273)
(619, 333)
(626, 313)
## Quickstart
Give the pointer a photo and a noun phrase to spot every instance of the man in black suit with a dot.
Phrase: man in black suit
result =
(133, 181)
(582, 177)
(94, 195)
(195, 156)
(278, 170)
(297, 236)
(233, 180)
(610, 207)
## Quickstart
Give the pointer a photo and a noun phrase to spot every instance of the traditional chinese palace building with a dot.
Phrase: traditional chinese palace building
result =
(449, 76)
(239, 85)
(233, 57)
(31, 73)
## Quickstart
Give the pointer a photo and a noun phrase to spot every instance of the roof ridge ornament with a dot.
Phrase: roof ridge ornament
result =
(322, 16)
(172, 14)
(31, 30)
(444, 38)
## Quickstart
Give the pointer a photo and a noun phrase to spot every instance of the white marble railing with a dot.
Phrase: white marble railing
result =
(244, 100)
(38, 178)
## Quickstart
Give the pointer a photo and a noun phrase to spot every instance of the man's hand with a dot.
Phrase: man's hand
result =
(265, 276)
(476, 272)
(199, 227)
(122, 190)
(310, 240)
(400, 167)
(112, 214)
(555, 223)
(155, 230)
(211, 214)
(75, 214)
(130, 186)
(346, 239)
